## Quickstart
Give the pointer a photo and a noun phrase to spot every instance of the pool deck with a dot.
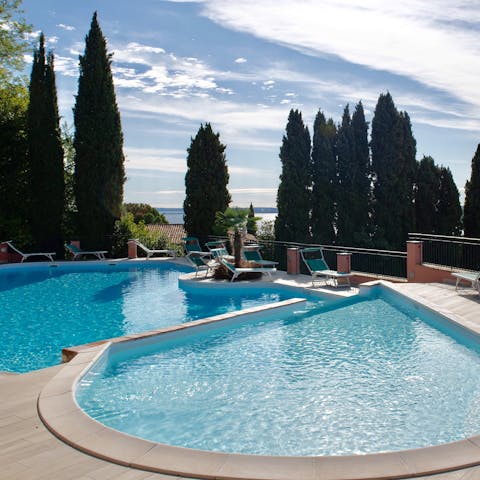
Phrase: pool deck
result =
(29, 451)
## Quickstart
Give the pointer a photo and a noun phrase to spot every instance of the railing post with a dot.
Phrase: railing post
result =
(132, 249)
(293, 261)
(414, 257)
(344, 262)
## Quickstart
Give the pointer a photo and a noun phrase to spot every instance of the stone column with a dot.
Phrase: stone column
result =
(344, 263)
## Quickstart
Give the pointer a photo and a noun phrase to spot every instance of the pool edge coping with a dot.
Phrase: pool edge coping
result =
(61, 414)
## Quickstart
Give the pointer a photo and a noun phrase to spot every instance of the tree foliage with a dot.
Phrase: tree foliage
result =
(293, 197)
(142, 212)
(449, 210)
(323, 179)
(45, 155)
(393, 151)
(252, 221)
(427, 196)
(471, 211)
(206, 182)
(99, 159)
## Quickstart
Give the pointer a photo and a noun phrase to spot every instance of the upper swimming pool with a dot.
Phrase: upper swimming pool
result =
(45, 309)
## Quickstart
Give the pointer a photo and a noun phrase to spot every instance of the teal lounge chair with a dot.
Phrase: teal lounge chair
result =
(150, 252)
(472, 277)
(317, 266)
(191, 244)
(78, 252)
(24, 256)
(252, 254)
(238, 271)
(202, 261)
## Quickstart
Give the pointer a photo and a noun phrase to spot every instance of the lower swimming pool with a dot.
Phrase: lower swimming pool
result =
(45, 309)
(371, 375)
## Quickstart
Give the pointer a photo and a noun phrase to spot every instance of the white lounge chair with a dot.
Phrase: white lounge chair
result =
(238, 271)
(78, 252)
(472, 277)
(151, 252)
(49, 255)
(317, 266)
(202, 261)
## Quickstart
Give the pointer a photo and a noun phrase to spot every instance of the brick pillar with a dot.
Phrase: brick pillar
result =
(344, 263)
(414, 258)
(293, 261)
(3, 253)
(132, 249)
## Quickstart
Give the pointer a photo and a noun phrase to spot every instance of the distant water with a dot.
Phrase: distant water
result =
(175, 215)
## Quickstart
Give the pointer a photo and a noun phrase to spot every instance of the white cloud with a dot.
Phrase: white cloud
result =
(434, 42)
(240, 60)
(66, 27)
(166, 160)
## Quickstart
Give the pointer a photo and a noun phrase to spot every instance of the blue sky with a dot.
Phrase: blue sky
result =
(243, 65)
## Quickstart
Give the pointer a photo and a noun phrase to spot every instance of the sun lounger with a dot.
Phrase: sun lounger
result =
(238, 271)
(317, 266)
(150, 252)
(24, 256)
(191, 244)
(202, 261)
(252, 254)
(472, 277)
(78, 252)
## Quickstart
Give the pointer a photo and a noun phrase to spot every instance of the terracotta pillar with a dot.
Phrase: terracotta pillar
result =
(293, 261)
(3, 253)
(344, 262)
(414, 258)
(132, 249)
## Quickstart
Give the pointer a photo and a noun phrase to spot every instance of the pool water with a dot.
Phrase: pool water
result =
(368, 376)
(46, 309)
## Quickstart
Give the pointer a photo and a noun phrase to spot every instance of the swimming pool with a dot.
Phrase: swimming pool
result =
(45, 308)
(372, 375)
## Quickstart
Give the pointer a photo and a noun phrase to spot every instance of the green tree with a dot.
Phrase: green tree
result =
(427, 196)
(293, 197)
(70, 212)
(323, 179)
(449, 210)
(45, 154)
(142, 212)
(13, 41)
(206, 182)
(99, 159)
(251, 221)
(236, 219)
(471, 211)
(393, 149)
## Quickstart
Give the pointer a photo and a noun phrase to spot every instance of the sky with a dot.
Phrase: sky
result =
(242, 65)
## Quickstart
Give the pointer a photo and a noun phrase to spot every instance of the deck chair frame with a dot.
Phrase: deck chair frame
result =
(238, 271)
(150, 252)
(24, 255)
(78, 252)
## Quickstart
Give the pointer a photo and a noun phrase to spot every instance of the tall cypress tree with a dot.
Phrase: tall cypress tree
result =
(47, 183)
(394, 166)
(427, 196)
(99, 159)
(293, 197)
(471, 211)
(206, 182)
(323, 179)
(449, 210)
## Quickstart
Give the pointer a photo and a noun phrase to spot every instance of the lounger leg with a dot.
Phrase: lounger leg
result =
(456, 284)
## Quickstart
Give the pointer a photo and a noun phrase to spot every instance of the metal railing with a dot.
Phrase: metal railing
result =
(449, 251)
(369, 261)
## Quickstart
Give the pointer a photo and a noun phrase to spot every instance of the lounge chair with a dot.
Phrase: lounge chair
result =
(238, 271)
(49, 255)
(472, 277)
(78, 252)
(252, 254)
(318, 267)
(191, 244)
(150, 252)
(202, 261)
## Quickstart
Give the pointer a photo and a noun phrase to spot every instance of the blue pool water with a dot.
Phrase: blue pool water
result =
(45, 309)
(368, 376)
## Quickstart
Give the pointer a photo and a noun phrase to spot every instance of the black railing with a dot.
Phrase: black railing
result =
(369, 261)
(448, 251)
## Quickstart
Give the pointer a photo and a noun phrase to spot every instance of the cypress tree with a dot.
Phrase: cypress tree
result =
(99, 159)
(206, 182)
(323, 179)
(47, 184)
(394, 166)
(449, 210)
(293, 196)
(427, 196)
(471, 211)
(251, 221)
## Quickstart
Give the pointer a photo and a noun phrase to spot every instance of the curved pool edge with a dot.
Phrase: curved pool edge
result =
(61, 414)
